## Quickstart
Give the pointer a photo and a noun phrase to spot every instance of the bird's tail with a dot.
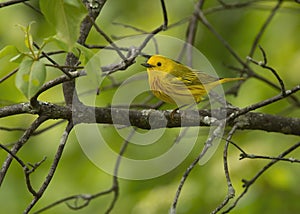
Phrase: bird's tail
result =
(223, 80)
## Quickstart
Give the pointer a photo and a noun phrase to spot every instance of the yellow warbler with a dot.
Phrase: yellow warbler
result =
(176, 83)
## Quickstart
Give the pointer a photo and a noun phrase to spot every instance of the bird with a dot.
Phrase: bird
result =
(176, 83)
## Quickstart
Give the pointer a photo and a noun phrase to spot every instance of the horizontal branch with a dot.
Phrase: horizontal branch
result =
(154, 119)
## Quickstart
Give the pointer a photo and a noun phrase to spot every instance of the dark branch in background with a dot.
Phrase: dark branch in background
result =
(191, 35)
(9, 75)
(245, 155)
(106, 37)
(246, 68)
(205, 22)
(134, 52)
(54, 82)
(115, 186)
(263, 28)
(8, 3)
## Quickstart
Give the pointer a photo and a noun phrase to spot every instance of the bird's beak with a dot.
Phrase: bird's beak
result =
(147, 65)
(147, 56)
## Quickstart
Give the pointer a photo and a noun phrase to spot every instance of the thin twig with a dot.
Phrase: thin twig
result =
(8, 75)
(165, 15)
(134, 52)
(264, 102)
(230, 191)
(205, 149)
(17, 146)
(248, 183)
(191, 34)
(13, 155)
(87, 198)
(115, 186)
(106, 37)
(51, 60)
(263, 28)
(27, 170)
(53, 167)
(252, 156)
(202, 18)
(54, 82)
(264, 65)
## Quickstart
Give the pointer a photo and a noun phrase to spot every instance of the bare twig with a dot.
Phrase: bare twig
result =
(51, 60)
(264, 65)
(206, 23)
(27, 169)
(205, 149)
(115, 186)
(230, 191)
(87, 198)
(17, 146)
(106, 37)
(191, 35)
(53, 167)
(134, 52)
(8, 75)
(263, 28)
(252, 156)
(264, 102)
(248, 183)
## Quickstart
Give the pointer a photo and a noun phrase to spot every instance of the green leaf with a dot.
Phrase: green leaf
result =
(13, 53)
(66, 17)
(9, 51)
(85, 54)
(18, 58)
(61, 44)
(30, 77)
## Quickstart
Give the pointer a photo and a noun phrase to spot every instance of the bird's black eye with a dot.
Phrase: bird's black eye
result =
(158, 64)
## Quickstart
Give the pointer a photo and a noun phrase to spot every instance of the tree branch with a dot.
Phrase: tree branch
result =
(140, 118)
(69, 89)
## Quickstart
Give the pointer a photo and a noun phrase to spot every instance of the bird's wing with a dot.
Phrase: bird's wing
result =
(205, 78)
(197, 78)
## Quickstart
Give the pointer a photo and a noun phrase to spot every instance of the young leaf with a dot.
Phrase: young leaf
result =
(28, 38)
(65, 17)
(30, 77)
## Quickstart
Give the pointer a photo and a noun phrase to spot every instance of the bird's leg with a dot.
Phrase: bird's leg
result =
(178, 108)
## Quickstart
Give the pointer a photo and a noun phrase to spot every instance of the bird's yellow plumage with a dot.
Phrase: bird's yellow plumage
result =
(175, 83)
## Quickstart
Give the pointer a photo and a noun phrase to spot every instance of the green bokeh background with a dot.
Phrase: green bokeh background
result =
(277, 191)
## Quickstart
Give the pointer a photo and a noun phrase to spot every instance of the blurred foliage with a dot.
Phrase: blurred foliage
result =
(275, 192)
